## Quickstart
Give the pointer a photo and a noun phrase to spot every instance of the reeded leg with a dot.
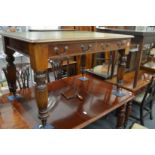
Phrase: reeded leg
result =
(39, 63)
(41, 97)
(121, 117)
(128, 112)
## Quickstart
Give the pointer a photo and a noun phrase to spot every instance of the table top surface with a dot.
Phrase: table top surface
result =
(143, 80)
(97, 102)
(59, 36)
(127, 32)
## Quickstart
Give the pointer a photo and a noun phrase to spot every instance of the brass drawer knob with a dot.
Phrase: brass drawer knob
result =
(85, 47)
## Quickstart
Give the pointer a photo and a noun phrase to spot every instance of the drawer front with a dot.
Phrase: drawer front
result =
(113, 45)
(72, 49)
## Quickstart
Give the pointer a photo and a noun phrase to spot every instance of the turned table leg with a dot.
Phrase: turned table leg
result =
(41, 97)
(128, 112)
(121, 117)
(120, 73)
(39, 63)
(10, 71)
(83, 61)
(138, 61)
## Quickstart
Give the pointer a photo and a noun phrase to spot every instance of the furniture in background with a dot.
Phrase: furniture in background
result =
(22, 79)
(61, 68)
(145, 101)
(150, 64)
(140, 37)
(144, 78)
(104, 64)
(40, 46)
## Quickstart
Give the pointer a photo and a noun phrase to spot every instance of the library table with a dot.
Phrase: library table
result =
(40, 46)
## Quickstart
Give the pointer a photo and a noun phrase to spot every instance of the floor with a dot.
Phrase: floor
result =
(109, 122)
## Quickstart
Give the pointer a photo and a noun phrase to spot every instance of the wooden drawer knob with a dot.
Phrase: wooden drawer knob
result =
(56, 50)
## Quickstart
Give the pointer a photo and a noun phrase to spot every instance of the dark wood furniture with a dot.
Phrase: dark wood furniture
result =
(140, 37)
(58, 68)
(66, 66)
(145, 101)
(41, 46)
(22, 76)
(97, 101)
(144, 79)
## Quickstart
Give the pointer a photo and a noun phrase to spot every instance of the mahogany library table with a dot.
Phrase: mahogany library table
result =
(40, 46)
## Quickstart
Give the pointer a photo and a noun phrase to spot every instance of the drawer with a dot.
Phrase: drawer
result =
(71, 49)
(112, 45)
(78, 48)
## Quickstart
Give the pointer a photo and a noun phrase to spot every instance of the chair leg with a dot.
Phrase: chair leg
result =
(48, 76)
(141, 116)
(151, 116)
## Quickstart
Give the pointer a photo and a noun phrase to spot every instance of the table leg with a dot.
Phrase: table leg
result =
(83, 67)
(128, 112)
(41, 97)
(11, 71)
(39, 63)
(121, 117)
(113, 63)
(138, 62)
(120, 73)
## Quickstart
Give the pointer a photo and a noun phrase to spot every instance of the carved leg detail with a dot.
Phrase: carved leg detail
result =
(42, 96)
(121, 117)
